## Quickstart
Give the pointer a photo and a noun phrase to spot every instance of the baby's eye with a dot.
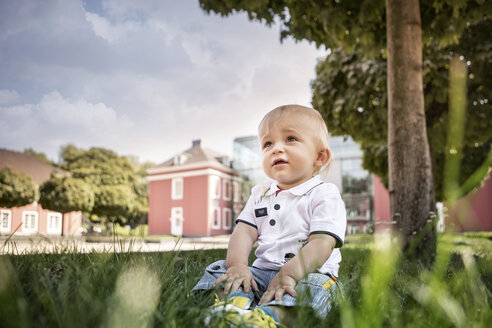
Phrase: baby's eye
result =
(267, 144)
(291, 139)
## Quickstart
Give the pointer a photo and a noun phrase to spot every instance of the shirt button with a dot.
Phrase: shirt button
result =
(277, 206)
(272, 222)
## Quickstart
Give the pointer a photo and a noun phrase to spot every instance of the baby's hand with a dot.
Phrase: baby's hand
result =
(236, 276)
(279, 285)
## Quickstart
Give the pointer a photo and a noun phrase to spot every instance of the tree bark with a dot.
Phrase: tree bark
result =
(411, 184)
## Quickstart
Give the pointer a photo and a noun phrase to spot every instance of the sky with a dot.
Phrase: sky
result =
(141, 78)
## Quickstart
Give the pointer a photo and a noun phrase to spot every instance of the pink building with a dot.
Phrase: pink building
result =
(195, 193)
(381, 205)
(472, 212)
(33, 219)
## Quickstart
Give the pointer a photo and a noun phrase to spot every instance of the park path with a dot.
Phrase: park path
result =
(38, 244)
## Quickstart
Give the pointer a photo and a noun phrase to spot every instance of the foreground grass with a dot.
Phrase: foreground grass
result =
(152, 289)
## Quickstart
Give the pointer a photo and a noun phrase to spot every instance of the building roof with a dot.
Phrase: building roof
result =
(196, 155)
(30, 165)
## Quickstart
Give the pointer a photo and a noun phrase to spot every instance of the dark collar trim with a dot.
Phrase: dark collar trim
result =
(319, 184)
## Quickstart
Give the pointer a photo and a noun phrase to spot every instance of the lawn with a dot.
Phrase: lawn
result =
(152, 289)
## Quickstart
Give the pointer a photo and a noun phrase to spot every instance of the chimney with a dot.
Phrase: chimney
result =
(196, 142)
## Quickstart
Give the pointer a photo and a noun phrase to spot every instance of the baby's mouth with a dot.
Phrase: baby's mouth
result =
(279, 162)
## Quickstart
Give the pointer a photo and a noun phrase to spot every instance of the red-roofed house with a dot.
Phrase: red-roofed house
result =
(33, 219)
(195, 193)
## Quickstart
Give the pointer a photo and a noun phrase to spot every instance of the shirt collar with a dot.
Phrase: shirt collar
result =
(299, 190)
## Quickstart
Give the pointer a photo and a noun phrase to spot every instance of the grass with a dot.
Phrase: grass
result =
(130, 289)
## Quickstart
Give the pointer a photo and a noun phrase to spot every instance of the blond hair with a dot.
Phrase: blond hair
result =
(320, 129)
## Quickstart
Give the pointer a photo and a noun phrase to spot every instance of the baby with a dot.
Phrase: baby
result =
(298, 221)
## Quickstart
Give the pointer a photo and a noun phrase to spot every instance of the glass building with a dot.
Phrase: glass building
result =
(354, 182)
(247, 159)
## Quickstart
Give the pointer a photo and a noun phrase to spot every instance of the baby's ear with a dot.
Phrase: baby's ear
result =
(323, 157)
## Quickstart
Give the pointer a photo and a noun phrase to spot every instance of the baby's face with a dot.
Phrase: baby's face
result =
(289, 150)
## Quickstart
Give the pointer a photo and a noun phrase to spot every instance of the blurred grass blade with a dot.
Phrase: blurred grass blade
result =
(456, 124)
(376, 283)
(136, 296)
(477, 179)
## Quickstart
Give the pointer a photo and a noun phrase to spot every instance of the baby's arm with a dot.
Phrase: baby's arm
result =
(240, 244)
(311, 257)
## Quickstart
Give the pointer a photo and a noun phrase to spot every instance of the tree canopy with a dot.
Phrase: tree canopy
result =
(16, 188)
(351, 93)
(66, 194)
(120, 193)
(140, 187)
(351, 24)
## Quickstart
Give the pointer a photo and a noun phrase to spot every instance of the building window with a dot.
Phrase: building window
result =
(226, 217)
(180, 159)
(216, 215)
(353, 229)
(177, 188)
(215, 186)
(226, 186)
(355, 179)
(54, 224)
(5, 220)
(29, 221)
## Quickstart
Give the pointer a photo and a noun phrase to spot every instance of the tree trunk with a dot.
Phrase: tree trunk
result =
(411, 184)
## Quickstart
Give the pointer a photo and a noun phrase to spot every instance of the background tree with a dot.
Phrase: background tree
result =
(118, 192)
(66, 194)
(114, 201)
(395, 29)
(139, 214)
(16, 188)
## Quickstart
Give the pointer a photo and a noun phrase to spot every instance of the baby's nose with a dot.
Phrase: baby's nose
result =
(278, 147)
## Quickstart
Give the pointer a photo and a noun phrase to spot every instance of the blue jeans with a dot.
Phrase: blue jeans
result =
(318, 291)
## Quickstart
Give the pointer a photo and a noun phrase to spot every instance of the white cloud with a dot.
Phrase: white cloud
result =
(108, 31)
(141, 77)
(63, 119)
(8, 97)
(59, 111)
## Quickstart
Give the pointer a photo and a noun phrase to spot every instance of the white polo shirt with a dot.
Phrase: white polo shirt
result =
(285, 220)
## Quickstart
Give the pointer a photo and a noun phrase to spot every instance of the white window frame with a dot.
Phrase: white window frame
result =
(215, 186)
(175, 195)
(227, 218)
(216, 210)
(236, 191)
(8, 217)
(36, 222)
(226, 187)
(56, 230)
